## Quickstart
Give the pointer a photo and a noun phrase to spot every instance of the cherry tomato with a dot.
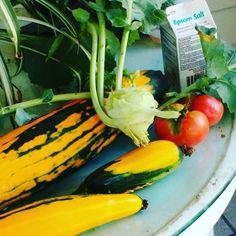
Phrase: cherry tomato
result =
(210, 106)
(190, 130)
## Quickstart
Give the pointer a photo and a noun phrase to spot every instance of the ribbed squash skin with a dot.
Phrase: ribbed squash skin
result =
(134, 170)
(39, 152)
(68, 215)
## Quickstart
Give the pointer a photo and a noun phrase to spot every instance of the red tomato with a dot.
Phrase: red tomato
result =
(210, 106)
(190, 130)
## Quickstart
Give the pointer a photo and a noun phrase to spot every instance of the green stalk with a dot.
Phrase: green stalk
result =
(101, 57)
(121, 60)
(123, 48)
(197, 86)
(92, 77)
(39, 101)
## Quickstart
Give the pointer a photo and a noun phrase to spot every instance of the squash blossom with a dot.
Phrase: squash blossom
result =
(133, 110)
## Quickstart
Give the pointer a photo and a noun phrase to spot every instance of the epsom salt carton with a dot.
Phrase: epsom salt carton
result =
(182, 53)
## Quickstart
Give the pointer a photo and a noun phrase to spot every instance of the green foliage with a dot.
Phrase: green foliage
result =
(81, 15)
(147, 12)
(220, 65)
(48, 95)
(167, 4)
(10, 20)
(57, 70)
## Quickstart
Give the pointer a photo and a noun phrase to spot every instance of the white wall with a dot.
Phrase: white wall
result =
(224, 13)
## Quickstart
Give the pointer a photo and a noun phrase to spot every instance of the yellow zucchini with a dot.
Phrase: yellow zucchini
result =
(134, 170)
(69, 215)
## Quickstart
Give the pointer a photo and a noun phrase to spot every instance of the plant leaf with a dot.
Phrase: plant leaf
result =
(167, 4)
(10, 20)
(60, 69)
(6, 82)
(226, 89)
(61, 15)
(97, 7)
(133, 36)
(147, 12)
(81, 15)
(221, 66)
(47, 95)
(55, 45)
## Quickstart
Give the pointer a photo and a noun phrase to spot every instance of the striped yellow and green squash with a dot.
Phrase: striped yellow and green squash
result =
(134, 170)
(69, 215)
(39, 152)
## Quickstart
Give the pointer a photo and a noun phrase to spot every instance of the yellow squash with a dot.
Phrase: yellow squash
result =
(134, 170)
(48, 147)
(68, 215)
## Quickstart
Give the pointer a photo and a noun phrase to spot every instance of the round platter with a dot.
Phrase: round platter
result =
(179, 199)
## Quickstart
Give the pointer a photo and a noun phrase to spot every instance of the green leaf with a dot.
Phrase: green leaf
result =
(135, 25)
(112, 46)
(47, 95)
(167, 3)
(230, 56)
(81, 15)
(60, 69)
(133, 37)
(221, 66)
(206, 31)
(217, 67)
(214, 52)
(226, 89)
(147, 12)
(22, 117)
(55, 45)
(117, 15)
(57, 11)
(6, 81)
(9, 18)
(97, 7)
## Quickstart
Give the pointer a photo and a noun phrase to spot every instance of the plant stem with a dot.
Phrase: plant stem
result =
(197, 86)
(101, 57)
(92, 77)
(39, 101)
(121, 60)
(123, 48)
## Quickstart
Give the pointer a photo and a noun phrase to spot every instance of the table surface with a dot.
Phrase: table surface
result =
(179, 199)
